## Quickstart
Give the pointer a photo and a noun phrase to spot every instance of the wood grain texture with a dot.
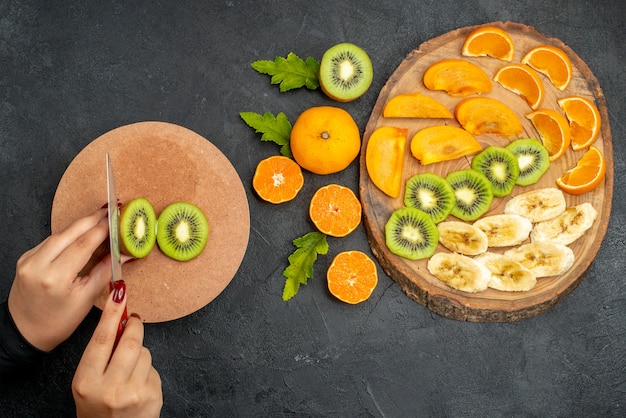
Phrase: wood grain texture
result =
(413, 276)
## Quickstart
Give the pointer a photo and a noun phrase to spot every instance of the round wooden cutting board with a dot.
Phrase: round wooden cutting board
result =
(413, 276)
(163, 163)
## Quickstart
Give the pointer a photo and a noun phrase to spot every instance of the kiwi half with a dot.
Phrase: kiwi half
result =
(473, 193)
(137, 228)
(345, 72)
(431, 194)
(183, 231)
(500, 166)
(411, 233)
(533, 160)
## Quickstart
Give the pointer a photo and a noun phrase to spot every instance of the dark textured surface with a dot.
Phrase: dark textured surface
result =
(70, 71)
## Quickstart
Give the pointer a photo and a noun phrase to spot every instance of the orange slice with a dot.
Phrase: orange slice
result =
(277, 179)
(352, 277)
(484, 115)
(415, 105)
(587, 174)
(553, 129)
(489, 41)
(335, 210)
(457, 77)
(523, 81)
(552, 62)
(584, 120)
(442, 143)
(384, 158)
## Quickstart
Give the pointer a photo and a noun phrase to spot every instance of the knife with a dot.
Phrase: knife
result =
(116, 262)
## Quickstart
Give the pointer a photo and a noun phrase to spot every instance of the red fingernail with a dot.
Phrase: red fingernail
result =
(119, 291)
(135, 315)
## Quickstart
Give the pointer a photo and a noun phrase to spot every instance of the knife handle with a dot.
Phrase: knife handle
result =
(120, 290)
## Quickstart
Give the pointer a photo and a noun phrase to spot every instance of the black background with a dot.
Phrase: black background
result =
(73, 70)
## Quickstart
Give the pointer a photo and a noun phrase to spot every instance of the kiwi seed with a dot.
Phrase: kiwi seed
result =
(473, 193)
(411, 233)
(431, 194)
(182, 231)
(137, 228)
(533, 160)
(500, 166)
(345, 72)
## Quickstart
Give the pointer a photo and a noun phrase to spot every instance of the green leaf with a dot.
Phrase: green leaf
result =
(291, 72)
(274, 128)
(300, 268)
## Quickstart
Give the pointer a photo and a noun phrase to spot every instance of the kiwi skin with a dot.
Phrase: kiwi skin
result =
(137, 228)
(346, 72)
(475, 185)
(533, 160)
(411, 233)
(182, 231)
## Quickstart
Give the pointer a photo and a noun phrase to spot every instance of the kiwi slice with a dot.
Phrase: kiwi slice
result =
(137, 228)
(345, 72)
(182, 231)
(473, 193)
(500, 166)
(431, 194)
(533, 160)
(411, 233)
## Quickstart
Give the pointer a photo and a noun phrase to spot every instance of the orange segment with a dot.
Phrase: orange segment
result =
(457, 77)
(442, 143)
(587, 174)
(483, 115)
(335, 210)
(415, 105)
(553, 129)
(489, 40)
(384, 158)
(522, 80)
(584, 120)
(552, 62)
(352, 277)
(277, 179)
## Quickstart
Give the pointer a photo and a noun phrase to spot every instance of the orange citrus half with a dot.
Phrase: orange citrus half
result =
(489, 40)
(553, 129)
(584, 120)
(587, 174)
(352, 277)
(277, 179)
(552, 62)
(335, 210)
(523, 81)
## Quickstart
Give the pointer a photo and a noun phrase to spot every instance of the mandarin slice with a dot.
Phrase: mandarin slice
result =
(335, 210)
(415, 105)
(489, 41)
(277, 179)
(457, 77)
(523, 81)
(384, 158)
(352, 277)
(552, 62)
(587, 175)
(442, 143)
(584, 120)
(484, 115)
(553, 129)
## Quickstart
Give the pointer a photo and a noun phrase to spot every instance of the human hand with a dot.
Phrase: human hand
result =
(48, 300)
(120, 383)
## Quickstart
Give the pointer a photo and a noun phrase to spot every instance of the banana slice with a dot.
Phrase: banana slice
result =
(459, 272)
(461, 237)
(507, 274)
(505, 230)
(567, 227)
(537, 205)
(543, 258)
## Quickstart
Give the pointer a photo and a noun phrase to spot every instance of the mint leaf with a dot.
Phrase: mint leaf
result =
(291, 72)
(274, 128)
(301, 261)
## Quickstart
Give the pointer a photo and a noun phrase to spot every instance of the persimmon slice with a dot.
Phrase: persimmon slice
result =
(442, 143)
(415, 105)
(484, 115)
(457, 77)
(384, 158)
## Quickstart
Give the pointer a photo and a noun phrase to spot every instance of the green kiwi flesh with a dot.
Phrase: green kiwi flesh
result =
(473, 193)
(137, 228)
(182, 231)
(500, 166)
(533, 160)
(345, 72)
(411, 233)
(431, 194)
